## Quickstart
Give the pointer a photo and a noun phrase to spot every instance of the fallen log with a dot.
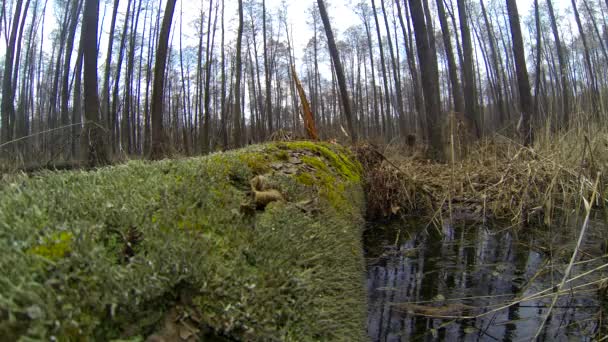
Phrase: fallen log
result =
(187, 249)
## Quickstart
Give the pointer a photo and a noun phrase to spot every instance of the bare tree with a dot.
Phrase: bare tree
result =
(335, 56)
(236, 132)
(8, 104)
(470, 91)
(563, 66)
(93, 135)
(430, 82)
(525, 98)
(158, 149)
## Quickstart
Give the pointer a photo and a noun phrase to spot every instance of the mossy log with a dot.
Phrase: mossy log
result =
(185, 250)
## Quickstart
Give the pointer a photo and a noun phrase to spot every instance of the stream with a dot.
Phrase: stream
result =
(457, 284)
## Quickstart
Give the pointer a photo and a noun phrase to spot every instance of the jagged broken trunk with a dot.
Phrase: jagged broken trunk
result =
(262, 243)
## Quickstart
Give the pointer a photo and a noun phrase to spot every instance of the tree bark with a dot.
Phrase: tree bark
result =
(523, 83)
(595, 103)
(470, 90)
(398, 90)
(335, 56)
(452, 67)
(8, 95)
(209, 59)
(236, 132)
(93, 135)
(223, 121)
(105, 93)
(386, 112)
(430, 80)
(267, 71)
(563, 67)
(158, 149)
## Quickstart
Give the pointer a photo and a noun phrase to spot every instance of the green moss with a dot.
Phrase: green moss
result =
(54, 247)
(282, 155)
(342, 161)
(257, 162)
(305, 178)
(133, 241)
(332, 186)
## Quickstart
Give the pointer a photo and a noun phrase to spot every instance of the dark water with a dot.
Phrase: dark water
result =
(421, 283)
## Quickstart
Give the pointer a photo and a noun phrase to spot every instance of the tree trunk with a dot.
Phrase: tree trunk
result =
(430, 80)
(236, 132)
(386, 112)
(105, 93)
(128, 135)
(452, 67)
(525, 98)
(470, 90)
(209, 58)
(563, 66)
(77, 101)
(158, 149)
(223, 123)
(398, 90)
(8, 95)
(65, 91)
(335, 56)
(595, 103)
(93, 135)
(267, 71)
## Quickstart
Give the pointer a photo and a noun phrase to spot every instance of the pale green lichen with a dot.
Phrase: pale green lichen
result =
(143, 237)
(54, 247)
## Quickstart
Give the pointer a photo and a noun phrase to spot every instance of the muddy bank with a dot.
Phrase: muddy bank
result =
(261, 244)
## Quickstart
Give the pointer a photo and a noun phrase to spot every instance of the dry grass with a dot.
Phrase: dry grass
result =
(499, 179)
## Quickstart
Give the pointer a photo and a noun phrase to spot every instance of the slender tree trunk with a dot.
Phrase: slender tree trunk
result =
(452, 67)
(209, 57)
(495, 65)
(563, 66)
(127, 112)
(411, 60)
(224, 130)
(335, 56)
(470, 90)
(8, 95)
(158, 140)
(147, 115)
(398, 90)
(523, 83)
(386, 112)
(267, 71)
(105, 93)
(77, 101)
(595, 103)
(538, 64)
(93, 136)
(65, 91)
(236, 132)
(377, 129)
(430, 80)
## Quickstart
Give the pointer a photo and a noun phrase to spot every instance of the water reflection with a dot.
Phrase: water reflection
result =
(417, 281)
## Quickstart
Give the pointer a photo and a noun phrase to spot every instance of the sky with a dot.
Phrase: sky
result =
(341, 11)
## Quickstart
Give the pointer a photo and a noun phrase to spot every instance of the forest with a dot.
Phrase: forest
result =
(405, 67)
(236, 170)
